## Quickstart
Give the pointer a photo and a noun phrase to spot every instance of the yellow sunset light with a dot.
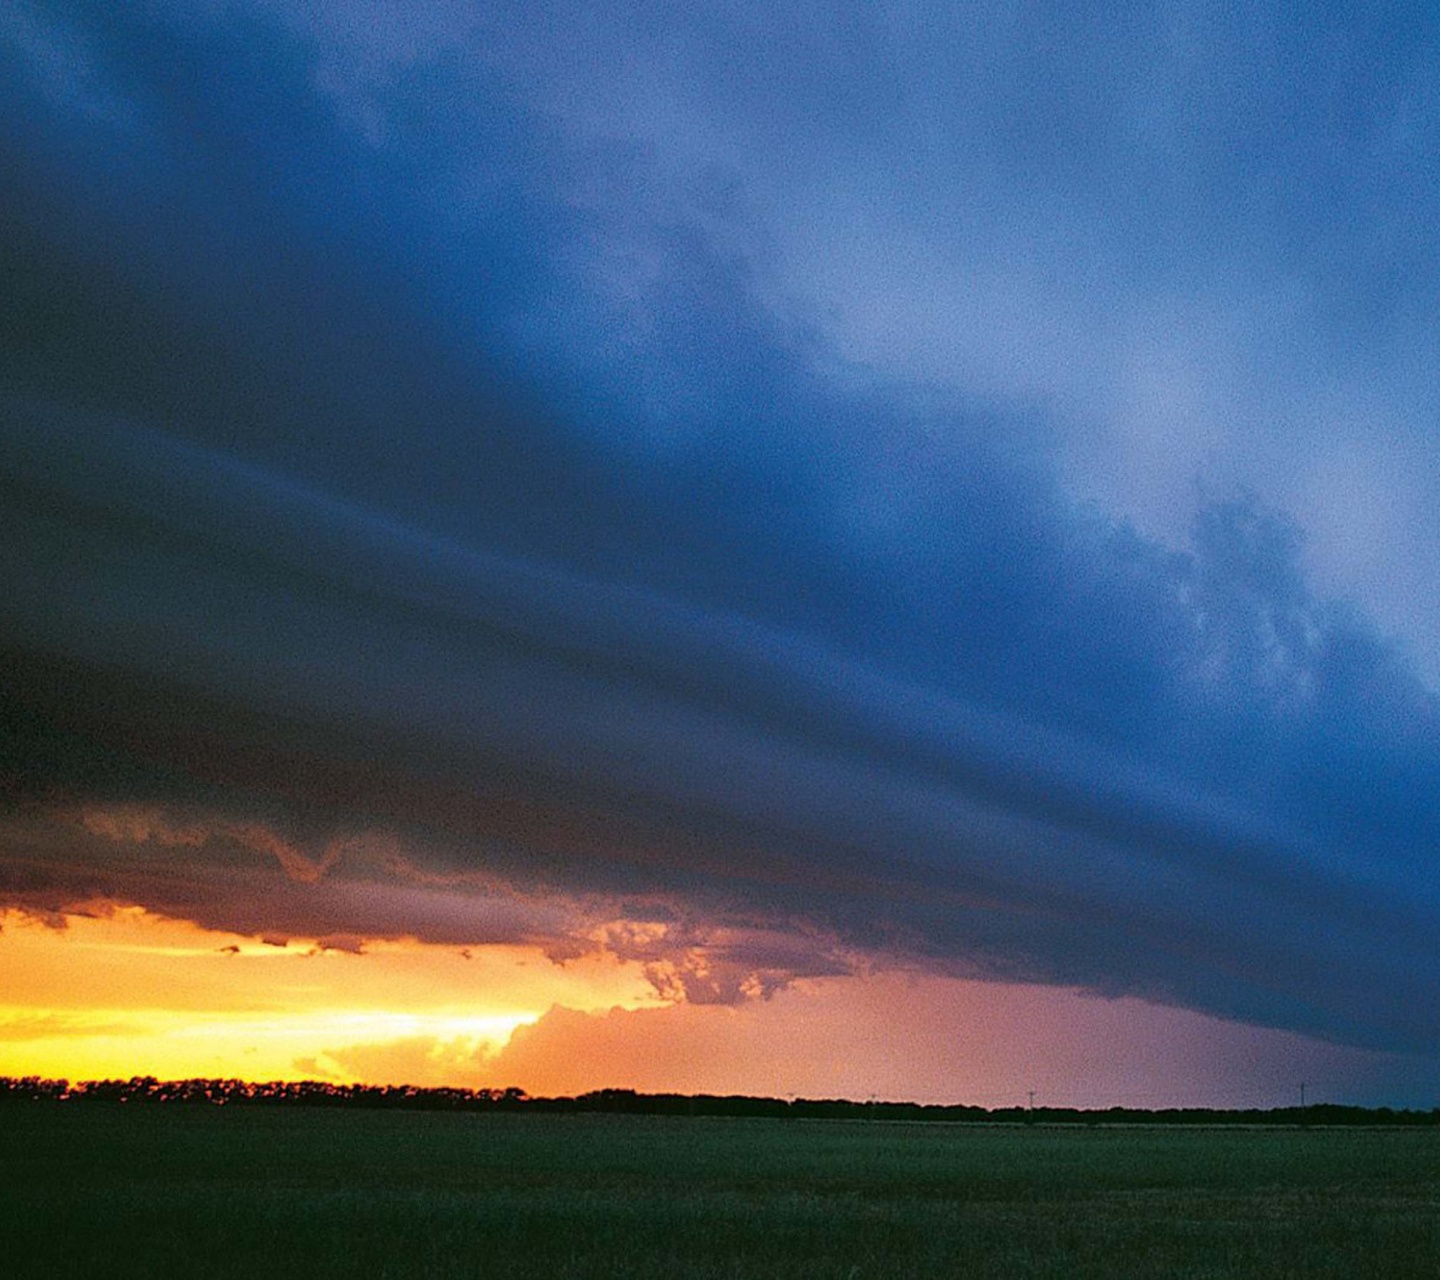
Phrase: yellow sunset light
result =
(121, 992)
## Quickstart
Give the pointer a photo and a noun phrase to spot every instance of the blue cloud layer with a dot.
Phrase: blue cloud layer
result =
(376, 406)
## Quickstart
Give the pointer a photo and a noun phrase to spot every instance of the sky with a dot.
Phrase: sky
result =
(745, 548)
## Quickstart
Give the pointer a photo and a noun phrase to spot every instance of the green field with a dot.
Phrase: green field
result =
(104, 1190)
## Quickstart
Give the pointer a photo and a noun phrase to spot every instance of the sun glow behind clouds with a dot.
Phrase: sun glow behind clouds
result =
(122, 992)
(119, 991)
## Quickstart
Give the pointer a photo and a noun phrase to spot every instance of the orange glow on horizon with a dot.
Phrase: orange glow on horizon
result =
(122, 992)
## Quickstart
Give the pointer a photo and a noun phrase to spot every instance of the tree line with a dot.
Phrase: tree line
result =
(148, 1090)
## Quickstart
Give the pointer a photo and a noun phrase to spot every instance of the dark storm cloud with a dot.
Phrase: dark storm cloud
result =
(418, 514)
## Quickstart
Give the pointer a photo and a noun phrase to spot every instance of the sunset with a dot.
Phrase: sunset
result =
(791, 551)
(112, 992)
(452, 507)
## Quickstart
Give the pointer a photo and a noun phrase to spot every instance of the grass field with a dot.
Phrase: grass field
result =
(109, 1190)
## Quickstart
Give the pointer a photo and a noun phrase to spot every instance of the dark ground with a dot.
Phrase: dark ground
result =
(101, 1190)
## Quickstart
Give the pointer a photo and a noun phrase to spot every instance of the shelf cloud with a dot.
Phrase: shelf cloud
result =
(504, 478)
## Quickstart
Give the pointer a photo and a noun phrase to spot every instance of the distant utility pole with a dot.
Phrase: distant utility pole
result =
(1032, 1099)
(1302, 1095)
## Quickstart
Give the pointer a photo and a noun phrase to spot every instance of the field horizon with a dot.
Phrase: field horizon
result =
(223, 1091)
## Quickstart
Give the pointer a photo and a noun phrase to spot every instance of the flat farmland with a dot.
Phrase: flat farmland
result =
(150, 1190)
